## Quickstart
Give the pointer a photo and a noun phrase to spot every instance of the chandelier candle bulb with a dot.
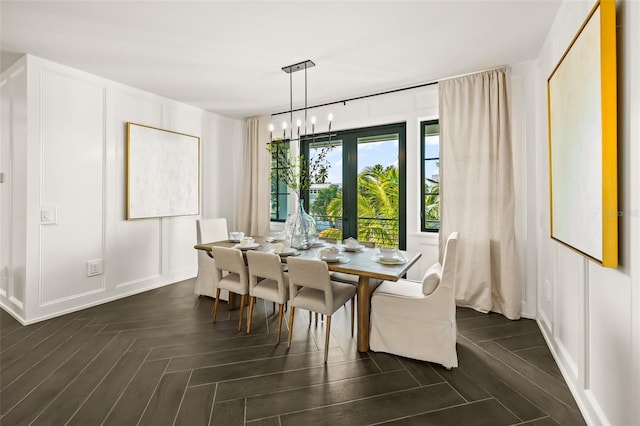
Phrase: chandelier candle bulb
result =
(271, 131)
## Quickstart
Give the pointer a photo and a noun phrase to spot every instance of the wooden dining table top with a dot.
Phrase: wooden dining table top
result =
(360, 262)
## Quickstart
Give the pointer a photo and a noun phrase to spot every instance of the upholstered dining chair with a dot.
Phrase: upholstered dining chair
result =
(231, 261)
(311, 288)
(267, 281)
(209, 230)
(418, 319)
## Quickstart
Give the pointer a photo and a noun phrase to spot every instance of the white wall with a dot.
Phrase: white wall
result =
(64, 151)
(416, 105)
(589, 314)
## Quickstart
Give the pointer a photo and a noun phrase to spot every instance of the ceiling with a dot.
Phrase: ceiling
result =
(226, 56)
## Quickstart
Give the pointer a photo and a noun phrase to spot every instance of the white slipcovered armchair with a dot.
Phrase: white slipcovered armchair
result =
(418, 319)
(207, 231)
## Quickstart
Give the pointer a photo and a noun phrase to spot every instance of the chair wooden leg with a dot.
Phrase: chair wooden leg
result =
(215, 305)
(326, 339)
(310, 319)
(316, 319)
(242, 302)
(353, 305)
(280, 314)
(293, 309)
(252, 301)
(231, 303)
(274, 307)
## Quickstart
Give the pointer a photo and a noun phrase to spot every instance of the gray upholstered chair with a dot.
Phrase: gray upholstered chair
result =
(231, 261)
(267, 281)
(418, 319)
(310, 288)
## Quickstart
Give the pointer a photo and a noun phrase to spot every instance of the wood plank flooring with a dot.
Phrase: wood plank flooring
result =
(156, 359)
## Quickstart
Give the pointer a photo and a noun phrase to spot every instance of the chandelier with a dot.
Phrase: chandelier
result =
(301, 125)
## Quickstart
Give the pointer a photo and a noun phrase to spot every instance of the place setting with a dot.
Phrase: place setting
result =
(389, 256)
(247, 243)
(284, 249)
(235, 236)
(332, 255)
(315, 242)
(276, 237)
(353, 245)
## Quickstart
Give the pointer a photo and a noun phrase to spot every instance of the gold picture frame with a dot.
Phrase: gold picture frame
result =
(163, 173)
(581, 94)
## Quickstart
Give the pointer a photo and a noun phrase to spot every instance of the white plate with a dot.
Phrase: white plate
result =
(339, 259)
(275, 239)
(247, 247)
(359, 248)
(392, 261)
(289, 252)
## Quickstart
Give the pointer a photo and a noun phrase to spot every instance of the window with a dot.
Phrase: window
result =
(279, 190)
(364, 194)
(430, 154)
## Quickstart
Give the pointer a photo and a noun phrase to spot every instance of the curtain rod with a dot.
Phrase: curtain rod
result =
(417, 86)
(344, 101)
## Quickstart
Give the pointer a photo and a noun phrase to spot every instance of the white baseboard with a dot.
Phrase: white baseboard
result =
(174, 279)
(589, 407)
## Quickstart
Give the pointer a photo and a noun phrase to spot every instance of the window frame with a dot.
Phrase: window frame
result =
(423, 162)
(349, 138)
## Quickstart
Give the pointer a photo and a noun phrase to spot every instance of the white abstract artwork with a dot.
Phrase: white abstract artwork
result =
(583, 140)
(163, 169)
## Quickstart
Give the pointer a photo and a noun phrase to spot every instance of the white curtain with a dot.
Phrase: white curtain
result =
(476, 190)
(254, 213)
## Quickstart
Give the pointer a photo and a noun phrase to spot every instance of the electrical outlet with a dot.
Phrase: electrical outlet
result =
(94, 267)
(547, 291)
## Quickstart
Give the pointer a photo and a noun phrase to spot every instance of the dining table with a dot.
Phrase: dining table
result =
(363, 263)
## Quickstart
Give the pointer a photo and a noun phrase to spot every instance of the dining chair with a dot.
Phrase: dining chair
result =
(418, 319)
(231, 261)
(311, 288)
(209, 230)
(267, 281)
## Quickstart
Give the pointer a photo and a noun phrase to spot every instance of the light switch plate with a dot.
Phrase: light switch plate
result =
(49, 215)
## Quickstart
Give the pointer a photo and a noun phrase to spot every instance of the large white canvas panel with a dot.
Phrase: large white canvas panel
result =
(162, 173)
(576, 148)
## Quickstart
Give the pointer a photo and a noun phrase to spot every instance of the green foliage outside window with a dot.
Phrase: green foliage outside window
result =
(378, 190)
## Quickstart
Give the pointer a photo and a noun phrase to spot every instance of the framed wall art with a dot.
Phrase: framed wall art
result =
(163, 173)
(583, 140)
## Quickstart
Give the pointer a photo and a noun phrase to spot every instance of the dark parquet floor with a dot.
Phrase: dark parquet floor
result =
(156, 359)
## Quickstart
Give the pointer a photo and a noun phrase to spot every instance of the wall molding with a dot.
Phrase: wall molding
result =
(138, 281)
(72, 297)
(588, 406)
(99, 302)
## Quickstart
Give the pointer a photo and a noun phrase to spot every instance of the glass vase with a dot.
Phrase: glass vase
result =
(300, 228)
